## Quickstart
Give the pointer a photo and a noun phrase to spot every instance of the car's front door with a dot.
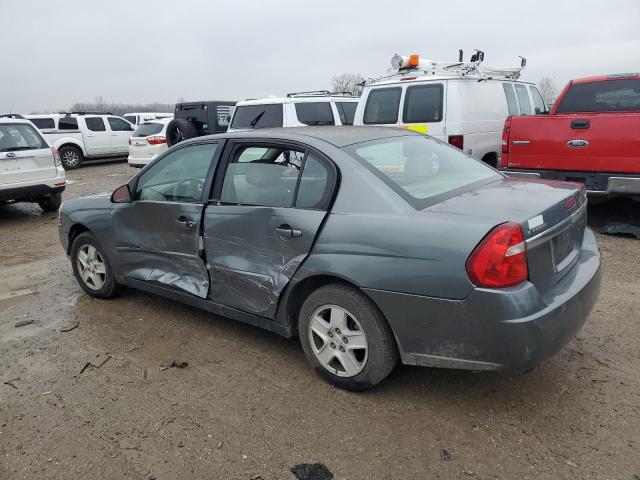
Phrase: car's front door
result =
(268, 204)
(120, 131)
(156, 236)
(96, 138)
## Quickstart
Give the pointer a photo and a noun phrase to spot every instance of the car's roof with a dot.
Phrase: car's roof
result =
(339, 136)
(298, 99)
(603, 78)
(412, 78)
(14, 120)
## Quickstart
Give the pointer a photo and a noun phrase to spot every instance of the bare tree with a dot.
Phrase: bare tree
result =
(548, 89)
(347, 82)
(99, 100)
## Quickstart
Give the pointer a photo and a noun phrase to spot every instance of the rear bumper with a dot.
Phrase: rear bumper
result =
(514, 328)
(596, 183)
(29, 193)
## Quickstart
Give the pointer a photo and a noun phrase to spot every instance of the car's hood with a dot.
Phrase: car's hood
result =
(536, 205)
(97, 200)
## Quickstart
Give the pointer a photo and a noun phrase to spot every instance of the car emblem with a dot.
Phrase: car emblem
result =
(577, 143)
(10, 155)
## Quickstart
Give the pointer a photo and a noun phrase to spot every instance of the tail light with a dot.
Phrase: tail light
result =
(506, 136)
(129, 140)
(56, 157)
(500, 260)
(457, 141)
(156, 140)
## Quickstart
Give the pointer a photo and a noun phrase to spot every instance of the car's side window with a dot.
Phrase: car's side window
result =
(119, 125)
(178, 177)
(523, 99)
(314, 189)
(538, 102)
(262, 175)
(512, 103)
(95, 124)
(382, 106)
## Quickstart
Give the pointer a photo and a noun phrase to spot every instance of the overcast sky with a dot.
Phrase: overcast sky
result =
(56, 53)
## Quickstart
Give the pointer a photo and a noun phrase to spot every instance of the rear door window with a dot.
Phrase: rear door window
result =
(43, 122)
(257, 116)
(538, 102)
(314, 113)
(20, 136)
(68, 123)
(95, 124)
(382, 106)
(347, 112)
(606, 96)
(523, 99)
(423, 103)
(119, 125)
(512, 103)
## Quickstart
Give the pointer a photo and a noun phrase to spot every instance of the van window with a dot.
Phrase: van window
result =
(607, 96)
(315, 113)
(20, 136)
(347, 112)
(68, 123)
(423, 103)
(43, 122)
(523, 99)
(512, 103)
(382, 106)
(257, 116)
(538, 102)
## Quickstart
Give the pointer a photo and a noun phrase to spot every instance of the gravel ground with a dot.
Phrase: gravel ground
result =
(247, 405)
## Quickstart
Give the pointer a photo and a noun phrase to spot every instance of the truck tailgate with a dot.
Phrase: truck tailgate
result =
(598, 142)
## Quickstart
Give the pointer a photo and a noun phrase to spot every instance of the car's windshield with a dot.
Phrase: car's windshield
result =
(422, 170)
(20, 136)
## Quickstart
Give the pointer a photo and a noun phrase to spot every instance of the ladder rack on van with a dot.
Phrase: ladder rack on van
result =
(413, 64)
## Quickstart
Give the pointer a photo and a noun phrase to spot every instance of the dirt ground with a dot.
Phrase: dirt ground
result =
(247, 406)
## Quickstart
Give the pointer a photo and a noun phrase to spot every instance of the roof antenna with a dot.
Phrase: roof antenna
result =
(460, 55)
(523, 61)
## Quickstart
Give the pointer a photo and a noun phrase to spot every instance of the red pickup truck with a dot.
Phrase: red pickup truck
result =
(591, 136)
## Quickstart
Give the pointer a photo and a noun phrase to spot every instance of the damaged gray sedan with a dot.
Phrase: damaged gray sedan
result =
(370, 244)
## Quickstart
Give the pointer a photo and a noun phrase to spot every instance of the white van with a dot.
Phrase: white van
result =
(138, 117)
(295, 110)
(457, 102)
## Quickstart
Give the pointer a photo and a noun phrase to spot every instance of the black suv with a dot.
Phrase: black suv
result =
(194, 119)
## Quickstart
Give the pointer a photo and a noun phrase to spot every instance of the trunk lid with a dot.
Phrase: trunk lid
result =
(552, 215)
(27, 165)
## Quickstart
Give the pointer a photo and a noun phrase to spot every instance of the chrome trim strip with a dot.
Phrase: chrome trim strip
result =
(553, 231)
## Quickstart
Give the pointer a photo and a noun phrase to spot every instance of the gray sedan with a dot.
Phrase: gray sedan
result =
(370, 244)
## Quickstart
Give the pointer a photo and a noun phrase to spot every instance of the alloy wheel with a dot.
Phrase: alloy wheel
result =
(338, 341)
(91, 267)
(70, 158)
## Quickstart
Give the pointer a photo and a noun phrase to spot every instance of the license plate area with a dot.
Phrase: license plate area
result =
(563, 246)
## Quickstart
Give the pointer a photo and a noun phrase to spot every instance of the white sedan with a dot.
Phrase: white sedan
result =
(147, 142)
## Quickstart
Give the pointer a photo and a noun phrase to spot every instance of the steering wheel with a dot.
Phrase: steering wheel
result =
(192, 185)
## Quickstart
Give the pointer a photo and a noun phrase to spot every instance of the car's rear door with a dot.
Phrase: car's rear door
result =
(269, 201)
(96, 138)
(157, 235)
(120, 131)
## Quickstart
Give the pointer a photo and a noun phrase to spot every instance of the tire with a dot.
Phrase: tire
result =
(180, 129)
(365, 325)
(107, 287)
(71, 157)
(51, 203)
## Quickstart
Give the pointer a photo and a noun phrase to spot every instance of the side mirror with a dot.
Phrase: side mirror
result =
(121, 195)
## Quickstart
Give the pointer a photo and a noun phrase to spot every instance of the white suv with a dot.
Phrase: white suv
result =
(30, 170)
(84, 136)
(295, 110)
(456, 102)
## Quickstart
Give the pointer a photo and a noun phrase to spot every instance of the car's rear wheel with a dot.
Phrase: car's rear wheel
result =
(345, 338)
(91, 267)
(71, 157)
(180, 129)
(51, 203)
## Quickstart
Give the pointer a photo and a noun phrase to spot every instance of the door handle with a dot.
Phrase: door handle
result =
(286, 231)
(580, 124)
(185, 222)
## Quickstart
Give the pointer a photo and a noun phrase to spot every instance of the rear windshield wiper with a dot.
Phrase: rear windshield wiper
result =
(257, 118)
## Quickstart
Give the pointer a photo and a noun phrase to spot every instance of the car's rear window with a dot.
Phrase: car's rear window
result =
(382, 106)
(43, 122)
(606, 96)
(20, 136)
(422, 170)
(257, 116)
(314, 113)
(347, 111)
(68, 123)
(146, 129)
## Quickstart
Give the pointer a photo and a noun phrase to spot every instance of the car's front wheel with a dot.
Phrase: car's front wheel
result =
(91, 267)
(345, 338)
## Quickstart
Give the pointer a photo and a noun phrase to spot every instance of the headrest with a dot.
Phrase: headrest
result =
(263, 174)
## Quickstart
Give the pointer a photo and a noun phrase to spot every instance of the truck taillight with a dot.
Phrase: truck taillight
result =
(156, 140)
(500, 260)
(129, 140)
(56, 157)
(506, 136)
(457, 141)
